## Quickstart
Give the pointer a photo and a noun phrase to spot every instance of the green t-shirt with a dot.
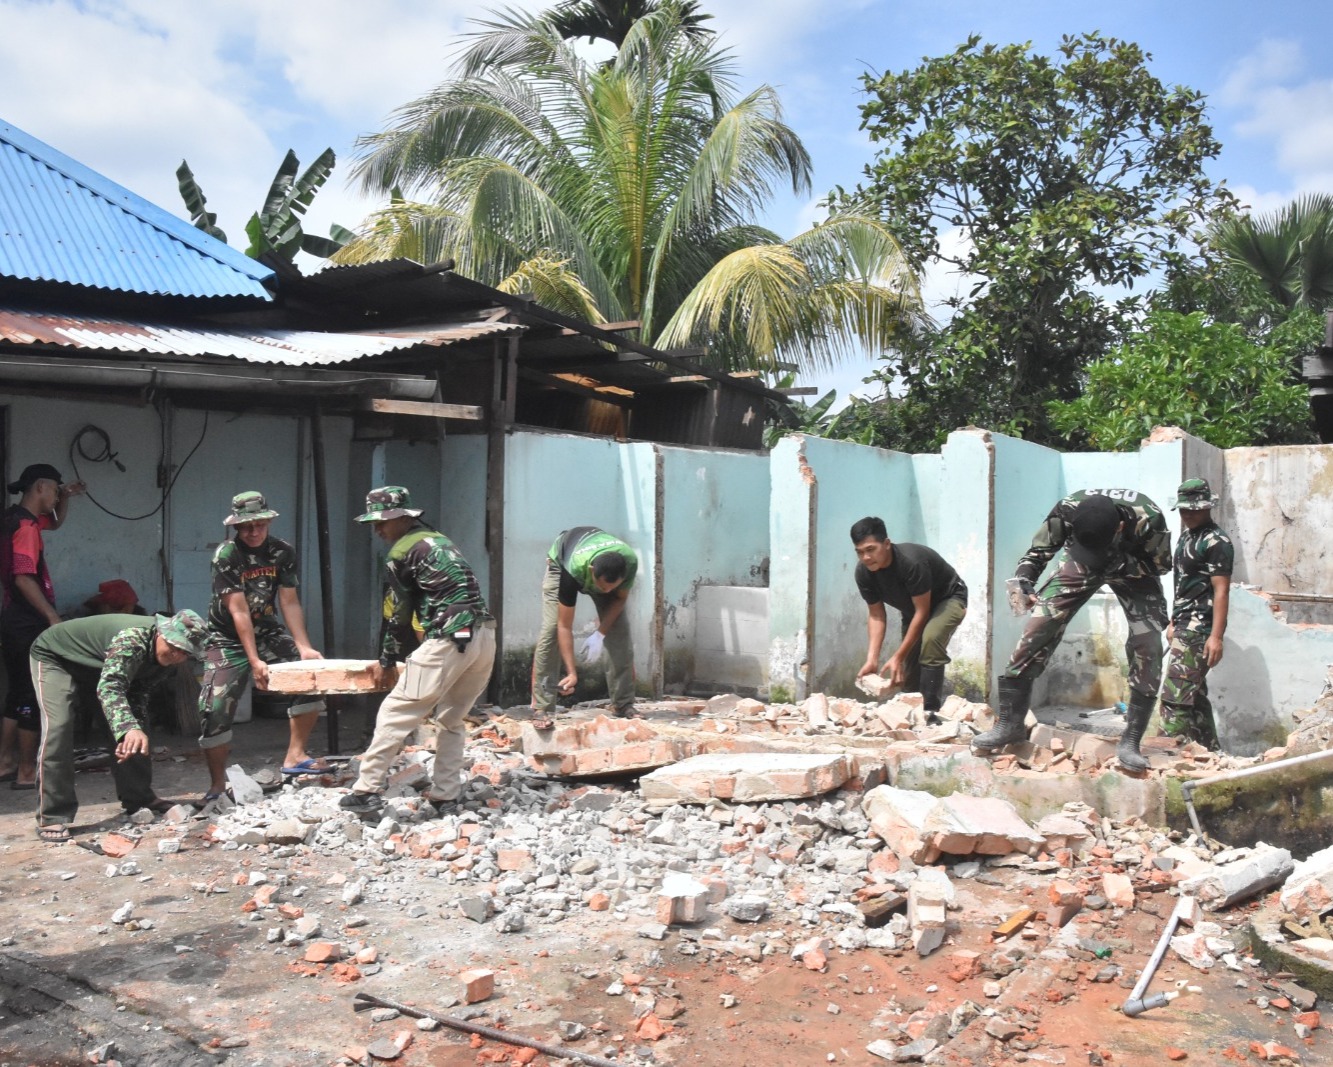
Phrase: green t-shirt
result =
(574, 550)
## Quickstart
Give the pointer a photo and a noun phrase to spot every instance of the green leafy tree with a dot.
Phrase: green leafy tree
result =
(276, 227)
(1063, 177)
(1208, 378)
(638, 179)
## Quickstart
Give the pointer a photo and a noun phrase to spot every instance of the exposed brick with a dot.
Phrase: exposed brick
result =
(478, 984)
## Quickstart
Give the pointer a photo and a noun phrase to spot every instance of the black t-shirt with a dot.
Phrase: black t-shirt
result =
(915, 569)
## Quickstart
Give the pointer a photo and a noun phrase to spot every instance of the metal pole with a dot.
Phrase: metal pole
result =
(362, 1001)
(1187, 788)
(325, 559)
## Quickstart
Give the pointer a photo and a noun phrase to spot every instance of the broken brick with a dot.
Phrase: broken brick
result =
(478, 984)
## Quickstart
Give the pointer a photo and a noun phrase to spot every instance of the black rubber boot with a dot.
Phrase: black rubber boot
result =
(1137, 714)
(932, 681)
(1015, 694)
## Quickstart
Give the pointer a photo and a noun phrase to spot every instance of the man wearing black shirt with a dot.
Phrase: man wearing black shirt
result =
(931, 598)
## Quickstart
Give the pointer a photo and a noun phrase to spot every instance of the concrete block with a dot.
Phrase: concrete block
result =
(1118, 889)
(478, 984)
(1061, 831)
(1309, 890)
(747, 777)
(815, 709)
(326, 676)
(875, 687)
(682, 900)
(927, 915)
(601, 747)
(898, 817)
(1229, 883)
(962, 825)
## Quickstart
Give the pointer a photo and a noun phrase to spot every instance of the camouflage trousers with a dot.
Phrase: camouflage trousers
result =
(226, 673)
(1072, 586)
(1186, 711)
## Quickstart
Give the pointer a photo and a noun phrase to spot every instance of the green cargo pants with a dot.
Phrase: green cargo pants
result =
(617, 652)
(58, 694)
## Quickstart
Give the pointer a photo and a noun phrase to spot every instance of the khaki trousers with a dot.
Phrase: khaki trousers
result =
(439, 683)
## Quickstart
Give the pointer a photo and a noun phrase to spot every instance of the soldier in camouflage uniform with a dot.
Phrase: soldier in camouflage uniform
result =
(1112, 537)
(443, 676)
(254, 576)
(1203, 563)
(123, 657)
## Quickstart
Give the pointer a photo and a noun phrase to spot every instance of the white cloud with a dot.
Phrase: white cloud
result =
(1277, 104)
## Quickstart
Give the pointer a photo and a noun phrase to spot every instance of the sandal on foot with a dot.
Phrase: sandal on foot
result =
(210, 796)
(307, 766)
(56, 833)
(542, 721)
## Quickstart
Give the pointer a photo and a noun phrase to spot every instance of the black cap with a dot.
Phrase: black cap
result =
(1096, 520)
(33, 473)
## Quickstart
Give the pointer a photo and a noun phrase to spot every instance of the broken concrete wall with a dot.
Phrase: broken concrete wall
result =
(1270, 670)
(715, 567)
(1273, 499)
(554, 482)
(820, 488)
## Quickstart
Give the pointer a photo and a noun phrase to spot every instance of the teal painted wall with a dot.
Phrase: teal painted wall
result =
(715, 531)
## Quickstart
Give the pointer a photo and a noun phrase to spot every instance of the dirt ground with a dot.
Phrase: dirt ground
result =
(203, 984)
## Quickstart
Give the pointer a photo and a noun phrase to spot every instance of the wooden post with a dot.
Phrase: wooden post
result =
(325, 558)
(504, 394)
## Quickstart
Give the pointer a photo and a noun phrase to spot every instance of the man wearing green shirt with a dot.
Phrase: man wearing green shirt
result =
(443, 676)
(121, 658)
(593, 562)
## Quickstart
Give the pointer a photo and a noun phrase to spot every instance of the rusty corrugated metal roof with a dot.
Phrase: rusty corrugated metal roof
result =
(63, 222)
(293, 348)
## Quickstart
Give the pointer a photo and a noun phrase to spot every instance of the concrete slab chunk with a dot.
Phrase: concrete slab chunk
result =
(747, 777)
(1227, 884)
(601, 747)
(1309, 890)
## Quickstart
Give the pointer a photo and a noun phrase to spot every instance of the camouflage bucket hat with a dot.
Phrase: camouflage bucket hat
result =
(248, 507)
(1194, 494)
(388, 502)
(185, 630)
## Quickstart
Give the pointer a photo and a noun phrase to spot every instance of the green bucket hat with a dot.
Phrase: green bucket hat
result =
(185, 630)
(248, 507)
(388, 502)
(1194, 494)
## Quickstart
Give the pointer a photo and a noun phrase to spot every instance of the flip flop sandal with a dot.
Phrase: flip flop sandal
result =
(307, 767)
(54, 834)
(543, 722)
(22, 785)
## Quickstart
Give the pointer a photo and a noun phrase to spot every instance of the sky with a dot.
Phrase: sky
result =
(132, 87)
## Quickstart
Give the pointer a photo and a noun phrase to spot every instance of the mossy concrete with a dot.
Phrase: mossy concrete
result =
(1288, 808)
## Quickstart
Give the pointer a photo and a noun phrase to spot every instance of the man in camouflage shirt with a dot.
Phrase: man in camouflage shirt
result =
(122, 657)
(1204, 560)
(1111, 537)
(447, 672)
(602, 567)
(254, 577)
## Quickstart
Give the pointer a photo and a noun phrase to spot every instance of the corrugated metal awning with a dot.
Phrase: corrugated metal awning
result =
(63, 222)
(292, 348)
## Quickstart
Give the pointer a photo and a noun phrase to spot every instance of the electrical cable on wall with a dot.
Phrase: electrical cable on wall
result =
(100, 451)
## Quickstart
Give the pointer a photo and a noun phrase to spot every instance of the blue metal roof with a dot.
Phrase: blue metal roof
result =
(62, 222)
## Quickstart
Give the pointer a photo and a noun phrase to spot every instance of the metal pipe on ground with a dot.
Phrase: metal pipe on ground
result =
(1187, 788)
(363, 1001)
(1136, 1004)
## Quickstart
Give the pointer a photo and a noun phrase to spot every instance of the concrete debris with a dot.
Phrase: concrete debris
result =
(747, 777)
(921, 827)
(1251, 871)
(1308, 891)
(875, 687)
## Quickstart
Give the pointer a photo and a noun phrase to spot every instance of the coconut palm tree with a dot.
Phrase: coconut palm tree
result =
(610, 20)
(635, 183)
(1290, 250)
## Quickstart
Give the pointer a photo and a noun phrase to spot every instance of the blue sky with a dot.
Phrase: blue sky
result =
(130, 87)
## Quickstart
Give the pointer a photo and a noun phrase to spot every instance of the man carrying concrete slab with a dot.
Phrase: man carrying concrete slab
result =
(1203, 563)
(446, 672)
(1111, 537)
(590, 561)
(929, 595)
(254, 577)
